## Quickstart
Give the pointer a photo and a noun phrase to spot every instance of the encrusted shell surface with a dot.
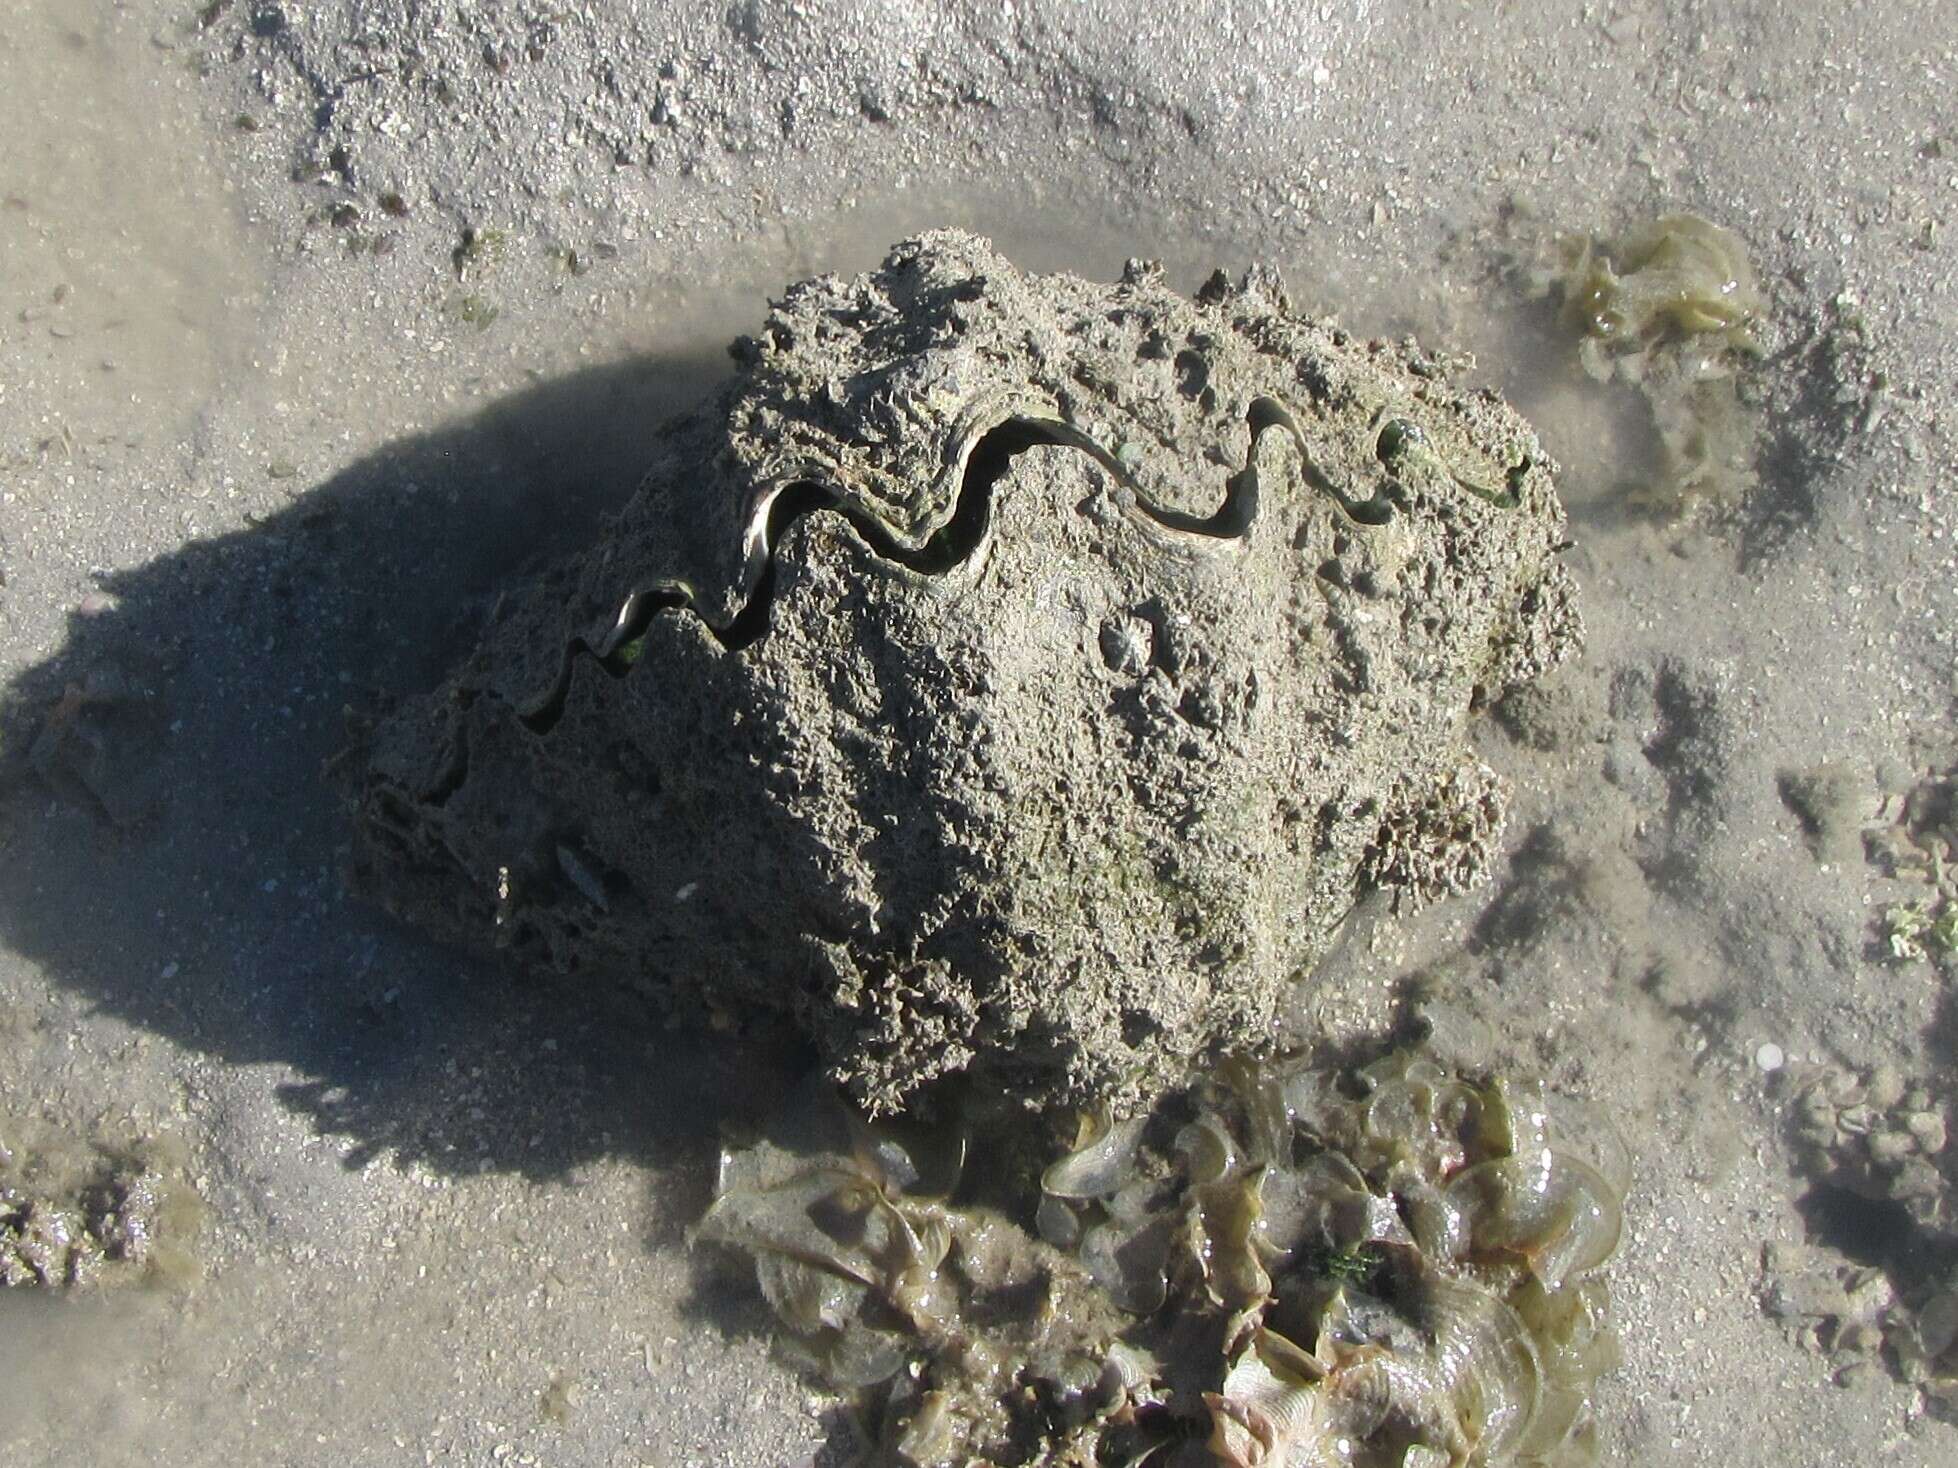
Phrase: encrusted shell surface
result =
(1003, 670)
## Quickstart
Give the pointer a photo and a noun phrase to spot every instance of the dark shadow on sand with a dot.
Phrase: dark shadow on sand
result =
(173, 852)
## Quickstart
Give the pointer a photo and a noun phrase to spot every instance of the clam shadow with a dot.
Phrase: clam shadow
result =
(174, 853)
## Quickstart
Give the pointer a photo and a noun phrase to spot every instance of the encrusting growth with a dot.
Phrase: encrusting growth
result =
(1003, 672)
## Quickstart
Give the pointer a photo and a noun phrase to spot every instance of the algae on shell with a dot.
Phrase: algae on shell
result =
(1003, 671)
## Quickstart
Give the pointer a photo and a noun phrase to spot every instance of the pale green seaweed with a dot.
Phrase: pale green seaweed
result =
(1678, 280)
(1275, 1266)
(1671, 308)
(1921, 845)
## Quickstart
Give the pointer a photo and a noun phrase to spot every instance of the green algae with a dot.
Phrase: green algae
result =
(1921, 845)
(1670, 308)
(1921, 928)
(1677, 281)
(1277, 1264)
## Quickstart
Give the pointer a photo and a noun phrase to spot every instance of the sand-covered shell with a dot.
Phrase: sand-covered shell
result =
(1003, 670)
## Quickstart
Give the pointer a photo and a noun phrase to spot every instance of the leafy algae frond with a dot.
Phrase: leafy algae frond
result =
(1277, 1265)
(1678, 281)
(1671, 308)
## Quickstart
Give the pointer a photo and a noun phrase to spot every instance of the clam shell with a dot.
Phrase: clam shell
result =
(1488, 1362)
(918, 1161)
(1454, 1315)
(1132, 1265)
(1575, 1346)
(860, 1357)
(1209, 1155)
(1003, 672)
(1270, 1410)
(790, 1218)
(1101, 1162)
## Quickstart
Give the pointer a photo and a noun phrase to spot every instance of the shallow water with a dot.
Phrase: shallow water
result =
(275, 475)
(131, 286)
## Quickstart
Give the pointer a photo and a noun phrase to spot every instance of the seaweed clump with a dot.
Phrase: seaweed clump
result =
(1267, 1268)
(73, 1215)
(1670, 308)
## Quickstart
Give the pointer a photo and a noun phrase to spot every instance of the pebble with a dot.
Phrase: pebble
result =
(1886, 1086)
(1860, 1120)
(1859, 1336)
(1889, 1148)
(1928, 1127)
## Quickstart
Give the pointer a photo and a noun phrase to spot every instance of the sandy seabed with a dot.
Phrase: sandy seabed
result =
(320, 319)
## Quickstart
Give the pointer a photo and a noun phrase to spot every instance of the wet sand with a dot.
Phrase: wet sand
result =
(320, 320)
